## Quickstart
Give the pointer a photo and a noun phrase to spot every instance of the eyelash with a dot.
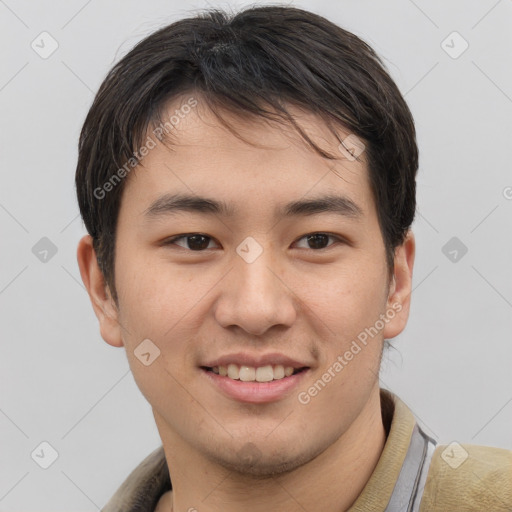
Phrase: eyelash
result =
(171, 241)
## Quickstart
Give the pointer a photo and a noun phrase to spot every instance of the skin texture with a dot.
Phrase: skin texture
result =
(294, 299)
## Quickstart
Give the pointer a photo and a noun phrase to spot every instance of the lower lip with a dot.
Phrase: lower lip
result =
(256, 392)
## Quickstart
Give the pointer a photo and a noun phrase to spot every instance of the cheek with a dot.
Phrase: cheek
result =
(150, 310)
(156, 309)
(350, 353)
(167, 390)
(157, 295)
(347, 299)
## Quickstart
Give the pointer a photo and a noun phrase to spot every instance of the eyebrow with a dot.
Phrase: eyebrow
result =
(169, 204)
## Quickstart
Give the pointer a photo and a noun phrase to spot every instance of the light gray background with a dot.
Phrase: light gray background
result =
(60, 383)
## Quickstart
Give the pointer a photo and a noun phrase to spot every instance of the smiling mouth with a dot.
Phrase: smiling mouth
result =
(267, 373)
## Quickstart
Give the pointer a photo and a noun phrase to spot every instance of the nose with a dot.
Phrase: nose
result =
(255, 296)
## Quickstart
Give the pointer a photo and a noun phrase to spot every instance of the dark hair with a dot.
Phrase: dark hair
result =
(255, 62)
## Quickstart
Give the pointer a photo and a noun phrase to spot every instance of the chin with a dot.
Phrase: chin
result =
(252, 462)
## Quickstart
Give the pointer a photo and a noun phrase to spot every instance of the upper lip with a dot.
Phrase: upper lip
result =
(256, 361)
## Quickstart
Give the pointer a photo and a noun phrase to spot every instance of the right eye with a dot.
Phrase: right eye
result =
(192, 241)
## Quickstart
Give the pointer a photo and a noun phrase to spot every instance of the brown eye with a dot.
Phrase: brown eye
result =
(318, 241)
(198, 242)
(194, 241)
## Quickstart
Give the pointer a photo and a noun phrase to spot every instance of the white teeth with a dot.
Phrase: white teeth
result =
(247, 373)
(250, 374)
(278, 371)
(265, 374)
(233, 371)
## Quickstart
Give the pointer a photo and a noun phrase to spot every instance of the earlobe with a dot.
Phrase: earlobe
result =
(400, 288)
(99, 294)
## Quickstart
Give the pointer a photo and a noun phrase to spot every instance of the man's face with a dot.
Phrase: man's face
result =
(251, 289)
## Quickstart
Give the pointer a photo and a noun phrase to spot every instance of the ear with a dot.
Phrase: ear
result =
(400, 288)
(99, 293)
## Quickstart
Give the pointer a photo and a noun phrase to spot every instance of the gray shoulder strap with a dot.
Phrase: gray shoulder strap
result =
(408, 491)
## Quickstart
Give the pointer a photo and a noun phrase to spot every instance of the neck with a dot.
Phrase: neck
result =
(331, 482)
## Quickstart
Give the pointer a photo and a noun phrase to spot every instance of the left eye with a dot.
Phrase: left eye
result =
(318, 240)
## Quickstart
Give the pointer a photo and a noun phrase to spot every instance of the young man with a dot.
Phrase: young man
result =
(248, 186)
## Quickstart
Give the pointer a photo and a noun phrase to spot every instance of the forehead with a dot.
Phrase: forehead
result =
(266, 162)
